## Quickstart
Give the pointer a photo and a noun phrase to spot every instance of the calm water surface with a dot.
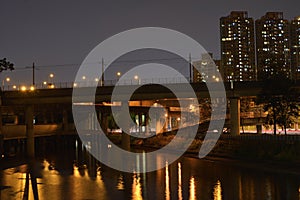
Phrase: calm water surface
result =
(76, 175)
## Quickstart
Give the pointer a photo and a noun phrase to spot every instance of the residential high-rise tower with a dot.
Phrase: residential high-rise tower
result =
(295, 47)
(272, 46)
(237, 47)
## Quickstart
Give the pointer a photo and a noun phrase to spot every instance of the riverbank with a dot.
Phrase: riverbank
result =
(276, 155)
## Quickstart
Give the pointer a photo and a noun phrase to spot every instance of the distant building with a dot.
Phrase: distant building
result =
(206, 69)
(237, 47)
(272, 45)
(295, 47)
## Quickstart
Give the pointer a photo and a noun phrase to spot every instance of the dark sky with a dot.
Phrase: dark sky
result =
(52, 33)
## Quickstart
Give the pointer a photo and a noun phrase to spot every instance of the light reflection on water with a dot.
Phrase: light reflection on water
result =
(218, 191)
(59, 177)
(167, 179)
(192, 189)
(136, 187)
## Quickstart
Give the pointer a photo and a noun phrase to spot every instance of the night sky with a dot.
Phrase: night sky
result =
(57, 35)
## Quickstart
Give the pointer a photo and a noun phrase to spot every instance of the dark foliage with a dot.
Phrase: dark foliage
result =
(281, 100)
(6, 65)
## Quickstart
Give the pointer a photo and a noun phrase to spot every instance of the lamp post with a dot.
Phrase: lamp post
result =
(297, 60)
(7, 79)
(136, 77)
(118, 76)
(51, 84)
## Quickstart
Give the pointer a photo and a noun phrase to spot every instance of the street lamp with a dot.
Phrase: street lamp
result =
(136, 77)
(7, 79)
(118, 74)
(50, 83)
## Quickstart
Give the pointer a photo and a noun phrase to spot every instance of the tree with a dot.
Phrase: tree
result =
(289, 113)
(280, 100)
(6, 65)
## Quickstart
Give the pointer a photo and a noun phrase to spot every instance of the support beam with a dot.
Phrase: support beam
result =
(125, 128)
(103, 121)
(235, 115)
(65, 120)
(1, 133)
(259, 128)
(29, 130)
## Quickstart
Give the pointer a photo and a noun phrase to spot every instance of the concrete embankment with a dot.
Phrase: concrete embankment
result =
(243, 147)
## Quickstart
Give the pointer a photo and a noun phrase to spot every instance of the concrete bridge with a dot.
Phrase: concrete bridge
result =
(41, 107)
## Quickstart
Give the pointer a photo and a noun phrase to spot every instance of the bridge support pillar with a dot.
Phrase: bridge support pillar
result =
(125, 128)
(29, 130)
(65, 120)
(0, 117)
(259, 128)
(235, 115)
(103, 121)
(1, 133)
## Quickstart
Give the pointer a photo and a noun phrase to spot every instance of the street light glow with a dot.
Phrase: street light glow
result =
(51, 75)
(23, 88)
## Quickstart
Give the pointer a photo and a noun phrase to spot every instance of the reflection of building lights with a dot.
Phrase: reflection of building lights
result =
(192, 189)
(179, 182)
(167, 179)
(23, 88)
(217, 193)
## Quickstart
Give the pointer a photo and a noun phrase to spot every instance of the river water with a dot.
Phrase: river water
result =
(74, 174)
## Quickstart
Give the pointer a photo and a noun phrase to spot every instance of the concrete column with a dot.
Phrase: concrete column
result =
(235, 115)
(296, 125)
(29, 130)
(104, 121)
(65, 120)
(140, 123)
(1, 133)
(159, 125)
(0, 118)
(125, 128)
(259, 128)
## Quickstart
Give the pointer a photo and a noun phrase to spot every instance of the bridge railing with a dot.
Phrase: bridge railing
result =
(261, 137)
(46, 85)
